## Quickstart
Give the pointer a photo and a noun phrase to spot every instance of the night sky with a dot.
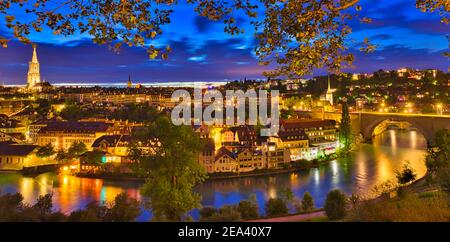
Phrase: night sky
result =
(405, 37)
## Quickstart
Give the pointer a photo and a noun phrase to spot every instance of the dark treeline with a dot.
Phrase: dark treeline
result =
(14, 209)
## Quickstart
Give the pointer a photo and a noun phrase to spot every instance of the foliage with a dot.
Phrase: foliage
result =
(248, 209)
(276, 207)
(94, 157)
(171, 167)
(298, 36)
(245, 209)
(441, 6)
(13, 209)
(44, 204)
(61, 157)
(438, 158)
(206, 213)
(286, 194)
(345, 129)
(135, 113)
(335, 205)
(72, 112)
(302, 103)
(407, 174)
(288, 114)
(123, 209)
(45, 151)
(93, 212)
(9, 205)
(307, 203)
(42, 107)
(227, 213)
(409, 208)
(76, 149)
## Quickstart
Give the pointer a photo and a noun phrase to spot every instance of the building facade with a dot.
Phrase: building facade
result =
(62, 134)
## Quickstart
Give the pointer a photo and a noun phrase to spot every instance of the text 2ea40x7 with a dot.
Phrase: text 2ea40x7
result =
(233, 231)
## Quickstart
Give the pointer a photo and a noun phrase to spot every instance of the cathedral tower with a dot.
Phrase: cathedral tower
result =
(329, 94)
(34, 76)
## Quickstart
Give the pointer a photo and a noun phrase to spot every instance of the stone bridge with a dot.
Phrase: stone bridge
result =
(364, 123)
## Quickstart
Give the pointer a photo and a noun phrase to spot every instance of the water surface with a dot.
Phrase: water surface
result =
(372, 164)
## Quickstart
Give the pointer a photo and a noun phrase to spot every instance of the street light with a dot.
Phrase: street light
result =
(439, 108)
(360, 105)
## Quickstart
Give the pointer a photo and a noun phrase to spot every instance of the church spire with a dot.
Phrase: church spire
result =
(329, 94)
(34, 75)
(129, 83)
(329, 84)
(34, 59)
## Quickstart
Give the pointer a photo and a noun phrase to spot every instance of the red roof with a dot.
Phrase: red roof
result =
(306, 123)
(75, 127)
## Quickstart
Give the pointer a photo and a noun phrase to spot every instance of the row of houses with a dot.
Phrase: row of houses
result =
(239, 159)
(228, 149)
(162, 99)
(240, 149)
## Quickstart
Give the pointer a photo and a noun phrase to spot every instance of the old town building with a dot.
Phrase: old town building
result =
(62, 134)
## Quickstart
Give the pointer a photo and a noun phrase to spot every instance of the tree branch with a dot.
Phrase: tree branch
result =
(345, 6)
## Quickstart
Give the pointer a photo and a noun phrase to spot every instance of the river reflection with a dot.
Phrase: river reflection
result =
(371, 165)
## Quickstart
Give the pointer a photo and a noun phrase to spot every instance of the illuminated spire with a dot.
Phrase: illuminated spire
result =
(129, 84)
(34, 75)
(34, 59)
(329, 85)
(329, 94)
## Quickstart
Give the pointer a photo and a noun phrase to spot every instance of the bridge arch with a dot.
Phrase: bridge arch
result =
(364, 123)
(370, 124)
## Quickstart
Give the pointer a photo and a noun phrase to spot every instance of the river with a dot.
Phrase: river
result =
(371, 165)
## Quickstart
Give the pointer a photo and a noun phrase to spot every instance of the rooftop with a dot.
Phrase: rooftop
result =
(306, 123)
(12, 149)
(75, 127)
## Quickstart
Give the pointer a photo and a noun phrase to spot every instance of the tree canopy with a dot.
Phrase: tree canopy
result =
(170, 166)
(45, 151)
(295, 35)
(438, 158)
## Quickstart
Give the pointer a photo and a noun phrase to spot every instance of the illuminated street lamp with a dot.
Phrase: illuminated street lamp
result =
(439, 108)
(360, 105)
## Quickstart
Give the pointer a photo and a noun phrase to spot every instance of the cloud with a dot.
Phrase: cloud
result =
(197, 58)
(203, 52)
(380, 37)
(203, 24)
(397, 56)
(87, 62)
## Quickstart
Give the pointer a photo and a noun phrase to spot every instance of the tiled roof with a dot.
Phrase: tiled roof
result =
(15, 149)
(224, 151)
(306, 123)
(75, 127)
(112, 140)
(209, 145)
(245, 133)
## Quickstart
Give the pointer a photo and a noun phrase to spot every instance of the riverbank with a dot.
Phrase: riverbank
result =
(419, 186)
(314, 216)
(297, 166)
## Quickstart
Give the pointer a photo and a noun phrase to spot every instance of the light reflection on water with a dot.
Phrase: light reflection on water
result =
(371, 165)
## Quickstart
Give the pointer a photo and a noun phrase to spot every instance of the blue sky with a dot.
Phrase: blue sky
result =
(405, 37)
